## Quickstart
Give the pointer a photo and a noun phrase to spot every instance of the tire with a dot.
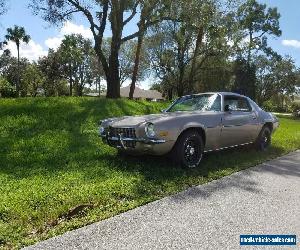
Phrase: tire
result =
(264, 139)
(121, 152)
(188, 150)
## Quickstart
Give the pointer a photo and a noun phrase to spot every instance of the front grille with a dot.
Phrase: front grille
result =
(126, 133)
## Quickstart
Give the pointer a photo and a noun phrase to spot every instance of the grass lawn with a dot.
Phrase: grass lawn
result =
(51, 161)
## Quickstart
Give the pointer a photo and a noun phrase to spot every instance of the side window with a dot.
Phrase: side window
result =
(216, 106)
(244, 105)
(236, 103)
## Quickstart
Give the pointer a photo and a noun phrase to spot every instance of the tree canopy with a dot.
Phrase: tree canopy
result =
(185, 46)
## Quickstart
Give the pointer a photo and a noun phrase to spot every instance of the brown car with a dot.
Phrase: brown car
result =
(192, 125)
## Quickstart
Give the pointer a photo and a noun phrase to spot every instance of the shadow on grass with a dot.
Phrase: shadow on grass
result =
(159, 169)
(47, 136)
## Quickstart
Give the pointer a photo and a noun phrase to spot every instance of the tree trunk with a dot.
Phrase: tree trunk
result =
(19, 78)
(81, 80)
(137, 54)
(170, 94)
(70, 80)
(180, 87)
(136, 65)
(76, 85)
(99, 86)
(113, 78)
(197, 47)
(111, 69)
(181, 66)
(250, 46)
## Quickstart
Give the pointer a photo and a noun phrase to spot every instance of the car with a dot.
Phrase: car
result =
(192, 125)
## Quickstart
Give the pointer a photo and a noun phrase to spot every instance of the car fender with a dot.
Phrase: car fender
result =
(190, 125)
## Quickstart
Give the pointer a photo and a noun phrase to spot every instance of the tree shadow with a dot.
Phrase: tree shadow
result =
(48, 135)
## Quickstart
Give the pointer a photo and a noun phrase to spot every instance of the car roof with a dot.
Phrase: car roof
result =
(220, 93)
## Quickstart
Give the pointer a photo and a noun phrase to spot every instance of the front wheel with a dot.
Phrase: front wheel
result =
(188, 150)
(264, 139)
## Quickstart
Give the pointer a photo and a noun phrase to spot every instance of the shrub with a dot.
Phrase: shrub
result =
(295, 108)
(271, 106)
(6, 89)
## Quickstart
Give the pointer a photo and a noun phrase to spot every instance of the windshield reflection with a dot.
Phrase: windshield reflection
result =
(203, 102)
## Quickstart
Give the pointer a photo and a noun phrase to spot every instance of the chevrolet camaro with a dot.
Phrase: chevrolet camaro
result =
(192, 125)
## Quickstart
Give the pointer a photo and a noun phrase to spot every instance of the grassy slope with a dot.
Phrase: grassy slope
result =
(51, 160)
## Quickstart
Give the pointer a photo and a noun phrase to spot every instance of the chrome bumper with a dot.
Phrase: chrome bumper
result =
(107, 138)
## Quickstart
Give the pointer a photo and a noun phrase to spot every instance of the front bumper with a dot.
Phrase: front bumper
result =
(120, 141)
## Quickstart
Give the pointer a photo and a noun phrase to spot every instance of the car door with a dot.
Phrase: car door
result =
(213, 123)
(239, 121)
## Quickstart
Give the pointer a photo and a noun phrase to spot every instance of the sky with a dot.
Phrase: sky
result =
(45, 36)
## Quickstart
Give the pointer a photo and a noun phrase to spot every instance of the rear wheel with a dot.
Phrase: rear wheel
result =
(188, 150)
(264, 139)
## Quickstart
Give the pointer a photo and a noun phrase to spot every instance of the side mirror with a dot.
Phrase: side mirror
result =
(226, 108)
(162, 110)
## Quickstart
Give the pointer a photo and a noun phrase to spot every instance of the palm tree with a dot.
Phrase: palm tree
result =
(17, 35)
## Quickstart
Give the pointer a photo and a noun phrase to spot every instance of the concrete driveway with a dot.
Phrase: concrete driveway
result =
(261, 200)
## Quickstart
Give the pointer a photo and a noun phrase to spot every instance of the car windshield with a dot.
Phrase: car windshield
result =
(204, 102)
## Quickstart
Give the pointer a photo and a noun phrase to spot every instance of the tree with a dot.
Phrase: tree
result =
(32, 79)
(214, 74)
(2, 7)
(265, 78)
(55, 83)
(256, 22)
(178, 48)
(97, 14)
(70, 54)
(6, 89)
(17, 35)
(245, 78)
(2, 45)
(156, 86)
(97, 73)
(3, 48)
(127, 58)
(9, 69)
(146, 14)
(276, 78)
(76, 55)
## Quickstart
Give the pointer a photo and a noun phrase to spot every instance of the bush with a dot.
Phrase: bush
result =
(6, 89)
(271, 106)
(295, 108)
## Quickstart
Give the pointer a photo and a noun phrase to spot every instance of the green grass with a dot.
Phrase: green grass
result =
(51, 160)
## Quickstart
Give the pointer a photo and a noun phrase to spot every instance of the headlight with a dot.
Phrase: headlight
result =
(149, 129)
(101, 130)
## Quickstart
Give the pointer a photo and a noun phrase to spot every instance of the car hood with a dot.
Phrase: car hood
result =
(130, 121)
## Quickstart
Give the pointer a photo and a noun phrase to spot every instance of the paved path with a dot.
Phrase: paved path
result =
(260, 200)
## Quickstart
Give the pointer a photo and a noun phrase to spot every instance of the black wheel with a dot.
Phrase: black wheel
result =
(264, 139)
(188, 150)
